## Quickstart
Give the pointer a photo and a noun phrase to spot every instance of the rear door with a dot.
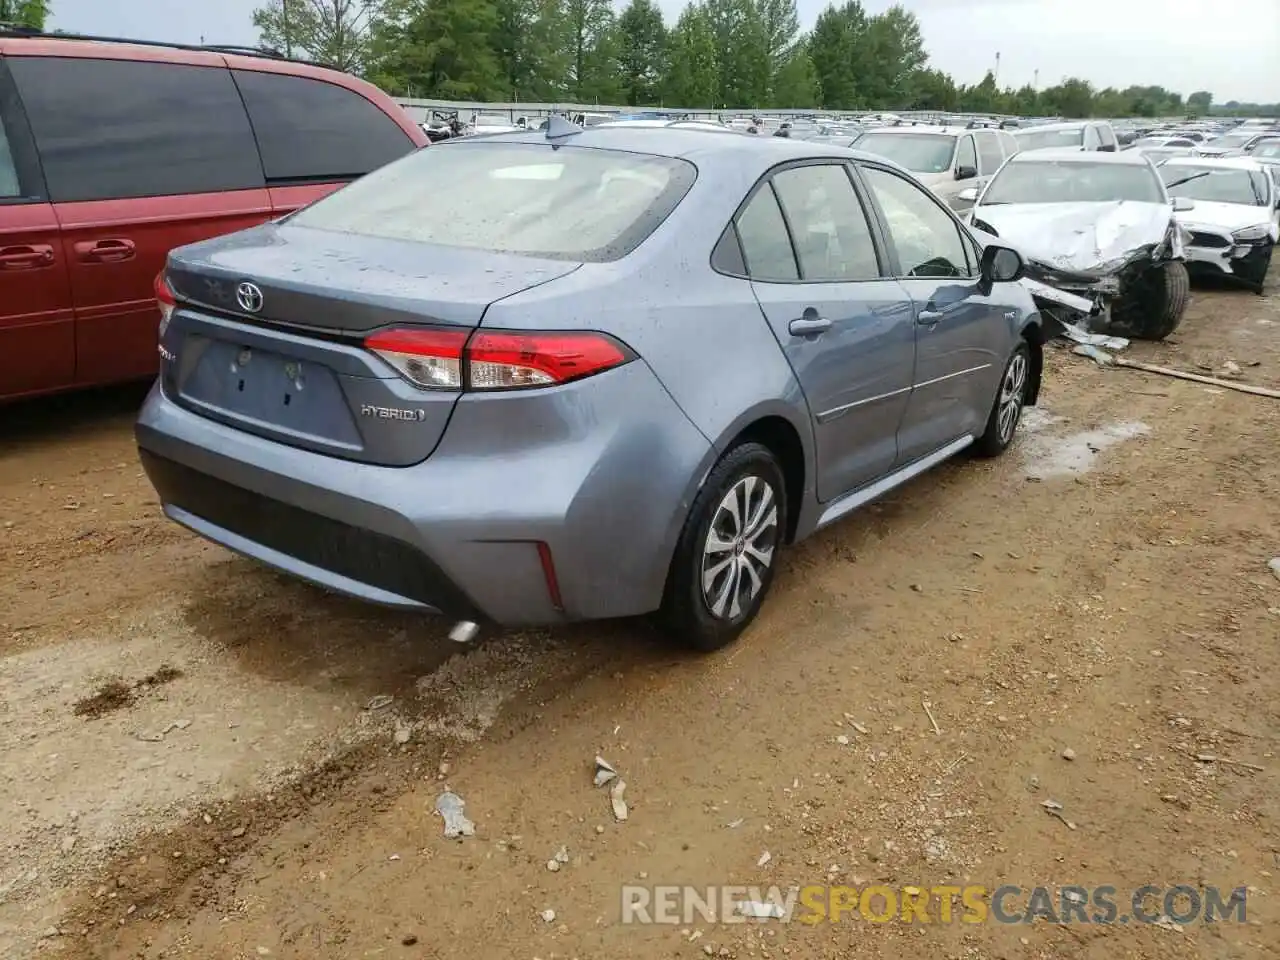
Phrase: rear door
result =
(37, 325)
(845, 328)
(315, 136)
(962, 335)
(140, 157)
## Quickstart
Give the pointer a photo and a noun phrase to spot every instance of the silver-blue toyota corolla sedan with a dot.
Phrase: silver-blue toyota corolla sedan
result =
(541, 377)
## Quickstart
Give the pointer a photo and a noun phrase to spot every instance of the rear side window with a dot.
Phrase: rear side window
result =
(535, 199)
(113, 129)
(311, 130)
(832, 238)
(766, 245)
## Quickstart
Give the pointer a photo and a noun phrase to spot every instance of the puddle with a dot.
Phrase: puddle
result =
(1046, 457)
(1036, 420)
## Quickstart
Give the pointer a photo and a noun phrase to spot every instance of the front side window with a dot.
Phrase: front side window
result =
(766, 245)
(310, 130)
(989, 154)
(565, 203)
(114, 129)
(966, 155)
(828, 226)
(925, 236)
(1105, 136)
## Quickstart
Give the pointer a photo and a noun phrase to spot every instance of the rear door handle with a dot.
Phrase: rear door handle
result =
(26, 257)
(808, 325)
(104, 251)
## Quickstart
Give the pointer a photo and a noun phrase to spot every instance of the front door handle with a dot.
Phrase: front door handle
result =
(929, 317)
(104, 251)
(808, 325)
(26, 256)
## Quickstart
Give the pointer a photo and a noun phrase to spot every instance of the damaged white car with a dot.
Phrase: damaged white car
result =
(1235, 223)
(1099, 237)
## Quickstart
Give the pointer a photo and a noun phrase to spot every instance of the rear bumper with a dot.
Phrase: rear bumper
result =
(601, 471)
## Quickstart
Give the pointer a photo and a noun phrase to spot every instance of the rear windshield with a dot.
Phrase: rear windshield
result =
(1039, 139)
(918, 152)
(562, 203)
(1220, 184)
(1073, 182)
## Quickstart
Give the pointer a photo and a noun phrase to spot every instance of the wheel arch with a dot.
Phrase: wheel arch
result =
(1033, 333)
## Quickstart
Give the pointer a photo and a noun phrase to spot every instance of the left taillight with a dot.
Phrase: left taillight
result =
(496, 359)
(165, 300)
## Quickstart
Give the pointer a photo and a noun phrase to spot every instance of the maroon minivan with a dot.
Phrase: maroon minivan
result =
(113, 153)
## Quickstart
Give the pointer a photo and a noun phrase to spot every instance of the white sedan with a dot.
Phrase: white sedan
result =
(1235, 224)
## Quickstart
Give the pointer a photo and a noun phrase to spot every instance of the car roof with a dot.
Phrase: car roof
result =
(1040, 128)
(921, 128)
(1131, 158)
(1223, 163)
(696, 144)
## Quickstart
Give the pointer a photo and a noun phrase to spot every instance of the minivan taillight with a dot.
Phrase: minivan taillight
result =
(495, 359)
(165, 300)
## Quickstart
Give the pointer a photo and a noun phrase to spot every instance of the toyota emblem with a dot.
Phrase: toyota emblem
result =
(249, 296)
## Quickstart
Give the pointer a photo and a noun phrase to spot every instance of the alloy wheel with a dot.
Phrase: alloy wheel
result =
(1012, 391)
(740, 547)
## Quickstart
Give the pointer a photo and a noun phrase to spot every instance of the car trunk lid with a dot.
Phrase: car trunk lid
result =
(285, 359)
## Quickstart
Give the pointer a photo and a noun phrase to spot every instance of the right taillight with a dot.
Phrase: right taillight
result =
(165, 300)
(497, 359)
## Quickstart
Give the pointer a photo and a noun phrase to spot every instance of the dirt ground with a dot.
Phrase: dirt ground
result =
(197, 756)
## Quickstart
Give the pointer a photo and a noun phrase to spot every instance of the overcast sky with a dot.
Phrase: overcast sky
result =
(1229, 47)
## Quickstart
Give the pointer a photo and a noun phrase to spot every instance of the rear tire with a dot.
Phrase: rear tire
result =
(1153, 306)
(1006, 410)
(727, 552)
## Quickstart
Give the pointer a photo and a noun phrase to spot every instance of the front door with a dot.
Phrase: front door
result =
(961, 334)
(846, 329)
(37, 325)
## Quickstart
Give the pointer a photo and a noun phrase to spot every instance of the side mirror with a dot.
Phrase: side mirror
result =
(966, 172)
(1183, 204)
(1001, 265)
(968, 195)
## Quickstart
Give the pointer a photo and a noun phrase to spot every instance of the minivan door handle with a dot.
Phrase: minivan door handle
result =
(104, 251)
(26, 256)
(809, 324)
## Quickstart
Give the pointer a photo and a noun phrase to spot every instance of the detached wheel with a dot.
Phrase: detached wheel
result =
(724, 562)
(1153, 306)
(1006, 412)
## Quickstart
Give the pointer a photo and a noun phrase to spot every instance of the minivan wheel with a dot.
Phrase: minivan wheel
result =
(1006, 411)
(725, 559)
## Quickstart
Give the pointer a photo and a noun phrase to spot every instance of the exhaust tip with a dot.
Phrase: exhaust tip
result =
(464, 631)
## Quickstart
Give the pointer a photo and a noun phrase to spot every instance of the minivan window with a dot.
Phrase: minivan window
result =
(8, 170)
(112, 129)
(562, 203)
(311, 130)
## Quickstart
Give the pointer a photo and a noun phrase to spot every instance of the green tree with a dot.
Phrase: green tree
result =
(438, 48)
(742, 52)
(642, 40)
(1201, 103)
(982, 98)
(591, 51)
(837, 46)
(528, 43)
(25, 13)
(895, 51)
(1071, 98)
(932, 90)
(781, 25)
(336, 32)
(693, 75)
(795, 85)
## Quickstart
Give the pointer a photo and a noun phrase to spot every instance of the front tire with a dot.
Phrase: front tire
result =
(1006, 411)
(725, 559)
(1153, 306)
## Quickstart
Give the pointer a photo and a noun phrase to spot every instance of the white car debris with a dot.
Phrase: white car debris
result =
(1099, 235)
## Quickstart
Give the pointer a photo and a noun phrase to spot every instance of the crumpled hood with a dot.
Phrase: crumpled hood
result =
(1216, 215)
(1081, 237)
